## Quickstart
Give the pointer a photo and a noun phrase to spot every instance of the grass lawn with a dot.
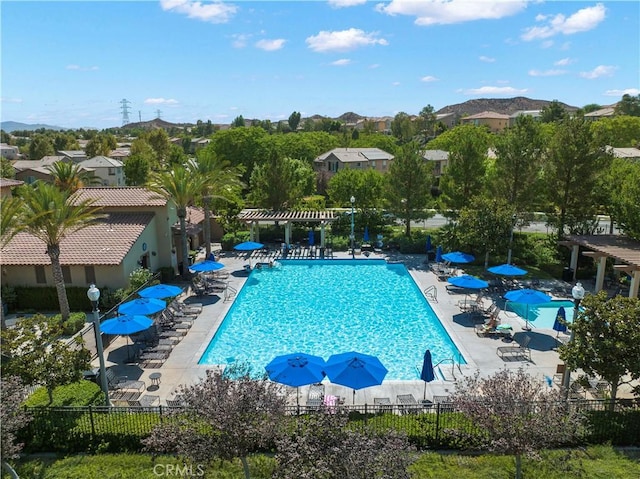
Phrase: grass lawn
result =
(589, 463)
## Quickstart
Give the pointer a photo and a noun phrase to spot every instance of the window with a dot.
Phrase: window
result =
(41, 277)
(384, 163)
(66, 274)
(373, 164)
(112, 171)
(90, 274)
(31, 179)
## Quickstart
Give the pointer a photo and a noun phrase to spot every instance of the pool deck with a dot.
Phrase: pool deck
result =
(480, 352)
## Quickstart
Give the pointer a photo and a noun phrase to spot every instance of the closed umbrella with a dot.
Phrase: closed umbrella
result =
(296, 369)
(355, 370)
(507, 270)
(428, 246)
(439, 254)
(560, 323)
(458, 257)
(160, 291)
(427, 374)
(126, 325)
(527, 296)
(365, 236)
(206, 266)
(312, 238)
(142, 306)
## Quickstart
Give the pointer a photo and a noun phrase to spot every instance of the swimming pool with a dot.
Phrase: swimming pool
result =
(327, 307)
(542, 316)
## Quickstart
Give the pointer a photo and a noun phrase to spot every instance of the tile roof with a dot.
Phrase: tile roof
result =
(31, 164)
(349, 155)
(9, 183)
(121, 196)
(106, 242)
(486, 115)
(101, 162)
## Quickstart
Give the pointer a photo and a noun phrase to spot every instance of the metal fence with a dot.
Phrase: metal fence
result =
(115, 429)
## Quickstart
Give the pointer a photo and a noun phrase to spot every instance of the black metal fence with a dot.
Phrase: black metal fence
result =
(116, 429)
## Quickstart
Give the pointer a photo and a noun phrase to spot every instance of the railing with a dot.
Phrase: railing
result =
(229, 292)
(431, 293)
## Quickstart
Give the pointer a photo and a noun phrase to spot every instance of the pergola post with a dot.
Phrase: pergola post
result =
(635, 284)
(322, 233)
(287, 233)
(573, 264)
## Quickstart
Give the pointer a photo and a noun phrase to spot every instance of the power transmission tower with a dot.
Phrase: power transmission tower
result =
(158, 113)
(124, 106)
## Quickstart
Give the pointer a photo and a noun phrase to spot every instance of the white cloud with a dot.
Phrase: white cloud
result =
(546, 73)
(82, 69)
(428, 79)
(10, 100)
(270, 45)
(485, 59)
(627, 91)
(599, 71)
(374, 66)
(342, 62)
(160, 101)
(240, 40)
(346, 3)
(215, 12)
(563, 62)
(344, 40)
(495, 90)
(583, 20)
(439, 12)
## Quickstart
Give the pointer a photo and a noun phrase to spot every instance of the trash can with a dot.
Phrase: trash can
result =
(567, 275)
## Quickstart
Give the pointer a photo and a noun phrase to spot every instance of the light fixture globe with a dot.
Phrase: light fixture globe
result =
(353, 199)
(93, 293)
(577, 292)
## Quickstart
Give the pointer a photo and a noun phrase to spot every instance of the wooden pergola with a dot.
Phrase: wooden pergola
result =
(254, 218)
(625, 251)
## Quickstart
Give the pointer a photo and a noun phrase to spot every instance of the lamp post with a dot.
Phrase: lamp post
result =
(93, 294)
(578, 293)
(513, 225)
(353, 236)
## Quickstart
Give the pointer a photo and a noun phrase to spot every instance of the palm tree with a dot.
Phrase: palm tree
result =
(180, 186)
(71, 177)
(221, 181)
(50, 215)
(10, 222)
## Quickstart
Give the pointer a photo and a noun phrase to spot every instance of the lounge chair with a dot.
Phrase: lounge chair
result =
(315, 396)
(493, 328)
(145, 401)
(407, 403)
(443, 403)
(516, 352)
(383, 404)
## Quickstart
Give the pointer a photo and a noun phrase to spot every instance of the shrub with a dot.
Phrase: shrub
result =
(229, 240)
(81, 393)
(72, 325)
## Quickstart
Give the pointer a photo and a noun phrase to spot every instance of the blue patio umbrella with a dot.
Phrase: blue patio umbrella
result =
(312, 238)
(527, 296)
(355, 370)
(428, 246)
(458, 257)
(248, 246)
(126, 325)
(160, 291)
(427, 374)
(365, 236)
(560, 323)
(296, 369)
(507, 270)
(206, 266)
(439, 254)
(142, 306)
(468, 281)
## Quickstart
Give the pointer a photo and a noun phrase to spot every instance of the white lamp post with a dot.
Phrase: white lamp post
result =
(353, 236)
(578, 293)
(93, 294)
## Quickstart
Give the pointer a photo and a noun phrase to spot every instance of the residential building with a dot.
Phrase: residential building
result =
(358, 158)
(31, 170)
(606, 112)
(9, 152)
(7, 185)
(496, 122)
(439, 159)
(75, 155)
(535, 114)
(632, 153)
(108, 170)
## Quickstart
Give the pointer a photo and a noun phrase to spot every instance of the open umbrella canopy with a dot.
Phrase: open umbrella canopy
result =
(560, 323)
(296, 369)
(527, 296)
(458, 257)
(312, 238)
(160, 291)
(248, 246)
(467, 281)
(439, 254)
(142, 306)
(206, 266)
(427, 368)
(355, 370)
(507, 270)
(125, 325)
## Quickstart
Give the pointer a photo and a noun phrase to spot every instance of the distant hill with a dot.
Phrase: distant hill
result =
(9, 126)
(155, 123)
(506, 106)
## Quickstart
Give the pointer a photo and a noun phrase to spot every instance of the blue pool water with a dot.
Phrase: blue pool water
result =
(542, 316)
(328, 307)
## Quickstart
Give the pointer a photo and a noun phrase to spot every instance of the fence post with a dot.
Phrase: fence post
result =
(93, 427)
(366, 419)
(437, 424)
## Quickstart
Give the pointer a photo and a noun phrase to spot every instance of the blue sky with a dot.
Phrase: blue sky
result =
(71, 63)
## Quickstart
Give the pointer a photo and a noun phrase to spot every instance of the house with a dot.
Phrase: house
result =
(74, 155)
(109, 170)
(535, 114)
(496, 122)
(7, 185)
(439, 159)
(31, 170)
(447, 119)
(9, 152)
(606, 112)
(633, 153)
(135, 229)
(358, 158)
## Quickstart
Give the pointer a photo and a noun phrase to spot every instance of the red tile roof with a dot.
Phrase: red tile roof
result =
(106, 242)
(122, 196)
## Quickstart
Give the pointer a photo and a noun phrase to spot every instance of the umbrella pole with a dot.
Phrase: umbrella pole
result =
(526, 320)
(354, 397)
(424, 395)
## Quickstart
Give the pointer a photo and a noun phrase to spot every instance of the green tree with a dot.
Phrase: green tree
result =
(572, 173)
(10, 222)
(101, 145)
(516, 413)
(137, 169)
(40, 146)
(13, 416)
(386, 143)
(65, 141)
(6, 168)
(518, 163)
(628, 105)
(553, 112)
(37, 354)
(220, 181)
(590, 108)
(176, 156)
(426, 122)
(240, 147)
(51, 214)
(238, 122)
(367, 186)
(181, 187)
(294, 120)
(159, 142)
(624, 198)
(280, 182)
(464, 176)
(403, 128)
(304, 145)
(70, 176)
(409, 185)
(605, 339)
(621, 131)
